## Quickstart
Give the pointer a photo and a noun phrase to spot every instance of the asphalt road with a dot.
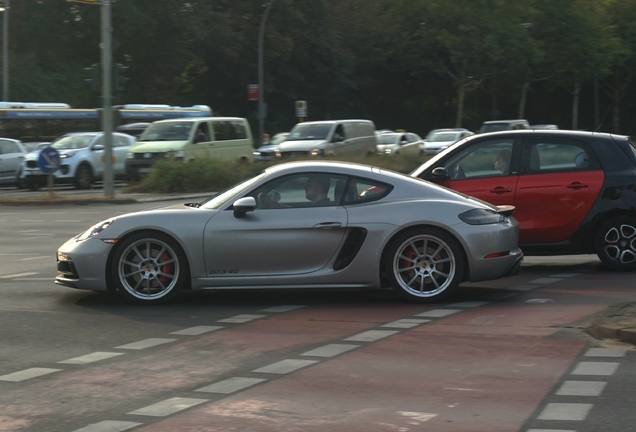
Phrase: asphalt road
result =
(507, 355)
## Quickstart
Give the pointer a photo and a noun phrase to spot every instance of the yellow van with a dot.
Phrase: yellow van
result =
(187, 139)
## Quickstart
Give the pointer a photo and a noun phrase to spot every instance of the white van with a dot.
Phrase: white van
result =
(330, 138)
(186, 139)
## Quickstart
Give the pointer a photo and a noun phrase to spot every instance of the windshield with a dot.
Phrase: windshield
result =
(230, 193)
(387, 139)
(167, 131)
(439, 137)
(73, 142)
(309, 132)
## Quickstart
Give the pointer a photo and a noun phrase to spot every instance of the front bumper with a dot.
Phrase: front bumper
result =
(82, 264)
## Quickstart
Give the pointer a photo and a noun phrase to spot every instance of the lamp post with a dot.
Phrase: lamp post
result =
(261, 89)
(5, 51)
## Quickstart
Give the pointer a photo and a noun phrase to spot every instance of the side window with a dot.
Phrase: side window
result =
(300, 190)
(4, 148)
(99, 140)
(338, 134)
(118, 141)
(543, 156)
(229, 130)
(490, 158)
(360, 191)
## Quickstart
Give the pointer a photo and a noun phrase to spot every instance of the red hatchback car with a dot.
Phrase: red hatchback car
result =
(574, 192)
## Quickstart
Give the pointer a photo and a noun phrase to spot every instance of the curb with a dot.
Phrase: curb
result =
(616, 322)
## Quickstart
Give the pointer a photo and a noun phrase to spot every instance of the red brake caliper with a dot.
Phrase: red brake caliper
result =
(165, 268)
(410, 254)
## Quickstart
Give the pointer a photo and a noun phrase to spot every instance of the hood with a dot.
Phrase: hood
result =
(157, 146)
(301, 145)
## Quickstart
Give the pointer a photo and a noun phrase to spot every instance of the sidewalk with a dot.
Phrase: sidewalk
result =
(616, 322)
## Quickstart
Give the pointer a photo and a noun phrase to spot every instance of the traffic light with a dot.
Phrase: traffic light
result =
(120, 78)
(92, 76)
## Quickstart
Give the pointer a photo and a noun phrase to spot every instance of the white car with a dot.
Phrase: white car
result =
(81, 160)
(11, 156)
(440, 139)
(405, 143)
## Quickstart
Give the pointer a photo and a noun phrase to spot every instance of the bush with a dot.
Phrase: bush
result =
(206, 175)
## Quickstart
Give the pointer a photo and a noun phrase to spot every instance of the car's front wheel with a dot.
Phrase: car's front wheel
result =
(149, 268)
(84, 177)
(424, 264)
(615, 243)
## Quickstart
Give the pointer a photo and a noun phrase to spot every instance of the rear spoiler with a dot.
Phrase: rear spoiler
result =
(506, 210)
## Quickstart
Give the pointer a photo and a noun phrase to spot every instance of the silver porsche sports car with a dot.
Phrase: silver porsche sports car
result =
(300, 225)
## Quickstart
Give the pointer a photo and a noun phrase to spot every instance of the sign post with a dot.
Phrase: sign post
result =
(49, 162)
(301, 110)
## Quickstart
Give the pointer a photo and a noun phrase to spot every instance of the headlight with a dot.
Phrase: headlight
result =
(130, 155)
(178, 155)
(481, 217)
(318, 152)
(67, 155)
(95, 229)
(388, 151)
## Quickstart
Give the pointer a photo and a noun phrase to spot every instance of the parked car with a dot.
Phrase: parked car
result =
(330, 138)
(544, 126)
(422, 238)
(11, 156)
(267, 152)
(134, 129)
(440, 139)
(406, 143)
(502, 125)
(35, 146)
(81, 160)
(573, 191)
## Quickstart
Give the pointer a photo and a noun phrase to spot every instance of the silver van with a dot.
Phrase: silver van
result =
(501, 125)
(330, 138)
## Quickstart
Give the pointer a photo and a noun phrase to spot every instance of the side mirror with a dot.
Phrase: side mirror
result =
(98, 147)
(439, 174)
(244, 205)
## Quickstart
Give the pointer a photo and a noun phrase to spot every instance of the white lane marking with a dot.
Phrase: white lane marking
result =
(146, 343)
(36, 279)
(52, 213)
(35, 258)
(285, 366)
(285, 308)
(438, 313)
(604, 352)
(502, 296)
(524, 287)
(108, 426)
(565, 275)
(330, 350)
(167, 407)
(595, 368)
(550, 430)
(68, 220)
(16, 275)
(581, 388)
(197, 330)
(417, 416)
(32, 220)
(469, 304)
(17, 254)
(544, 281)
(91, 358)
(405, 323)
(239, 319)
(27, 374)
(371, 335)
(565, 411)
(231, 385)
(463, 389)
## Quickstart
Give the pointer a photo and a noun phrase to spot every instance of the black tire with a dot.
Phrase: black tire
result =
(149, 268)
(424, 265)
(33, 185)
(615, 243)
(84, 177)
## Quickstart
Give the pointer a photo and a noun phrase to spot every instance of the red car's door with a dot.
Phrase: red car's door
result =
(560, 181)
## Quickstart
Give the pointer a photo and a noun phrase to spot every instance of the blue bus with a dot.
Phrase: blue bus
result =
(41, 122)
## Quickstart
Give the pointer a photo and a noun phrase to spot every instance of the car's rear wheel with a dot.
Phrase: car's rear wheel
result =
(83, 177)
(615, 243)
(149, 268)
(424, 265)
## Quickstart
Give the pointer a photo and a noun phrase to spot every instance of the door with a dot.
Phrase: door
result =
(560, 182)
(11, 157)
(487, 170)
(293, 230)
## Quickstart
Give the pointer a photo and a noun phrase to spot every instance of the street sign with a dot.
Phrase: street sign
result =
(49, 160)
(252, 92)
(301, 108)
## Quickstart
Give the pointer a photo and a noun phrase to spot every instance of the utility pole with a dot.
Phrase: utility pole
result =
(5, 51)
(107, 83)
(261, 86)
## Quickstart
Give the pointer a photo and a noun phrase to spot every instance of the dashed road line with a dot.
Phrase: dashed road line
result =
(91, 358)
(231, 385)
(146, 343)
(109, 426)
(371, 335)
(566, 411)
(595, 368)
(240, 319)
(581, 388)
(26, 374)
(285, 366)
(168, 407)
(17, 275)
(197, 330)
(438, 313)
(330, 350)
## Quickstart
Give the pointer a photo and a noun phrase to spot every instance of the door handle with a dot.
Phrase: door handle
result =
(576, 186)
(328, 225)
(500, 190)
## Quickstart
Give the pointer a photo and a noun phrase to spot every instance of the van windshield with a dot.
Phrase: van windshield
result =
(167, 131)
(309, 132)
